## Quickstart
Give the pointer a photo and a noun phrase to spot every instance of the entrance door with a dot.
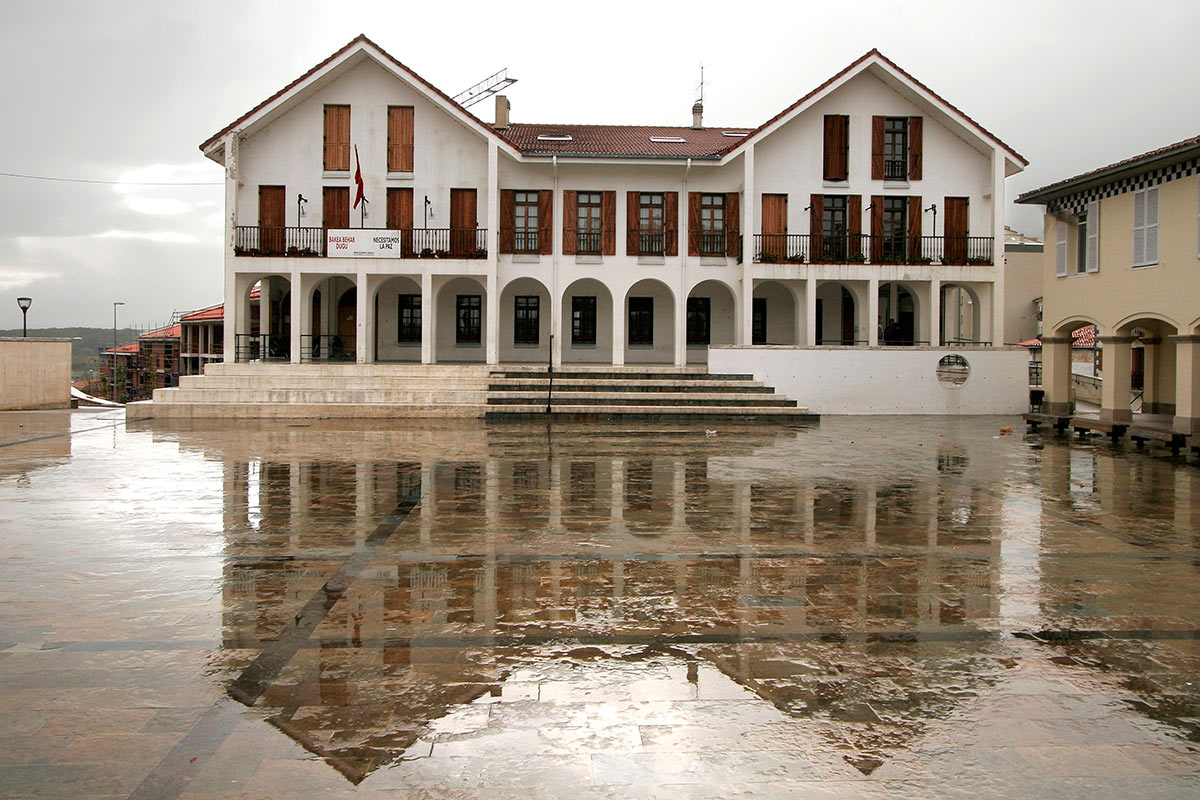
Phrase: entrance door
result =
(335, 207)
(847, 317)
(774, 225)
(956, 230)
(270, 219)
(758, 328)
(347, 319)
(463, 221)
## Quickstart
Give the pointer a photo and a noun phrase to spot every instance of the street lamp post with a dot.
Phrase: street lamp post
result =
(24, 303)
(114, 350)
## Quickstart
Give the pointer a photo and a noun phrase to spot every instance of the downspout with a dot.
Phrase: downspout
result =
(681, 326)
(553, 285)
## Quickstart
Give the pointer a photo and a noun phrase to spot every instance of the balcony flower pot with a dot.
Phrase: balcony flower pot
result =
(442, 254)
(768, 258)
(426, 252)
(979, 261)
(856, 258)
(795, 259)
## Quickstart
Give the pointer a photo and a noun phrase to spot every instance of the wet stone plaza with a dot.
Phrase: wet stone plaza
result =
(877, 607)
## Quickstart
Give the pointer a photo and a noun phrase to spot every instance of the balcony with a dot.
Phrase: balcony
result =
(804, 248)
(266, 240)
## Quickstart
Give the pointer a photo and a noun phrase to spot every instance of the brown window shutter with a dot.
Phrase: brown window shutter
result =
(877, 150)
(836, 144)
(545, 222)
(631, 223)
(914, 228)
(733, 225)
(671, 223)
(957, 215)
(854, 224)
(608, 223)
(400, 139)
(570, 222)
(335, 206)
(693, 223)
(816, 226)
(508, 220)
(915, 148)
(400, 216)
(337, 138)
(876, 228)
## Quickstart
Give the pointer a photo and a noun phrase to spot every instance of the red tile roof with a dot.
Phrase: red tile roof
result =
(1083, 337)
(621, 141)
(169, 332)
(205, 314)
(123, 349)
(1065, 186)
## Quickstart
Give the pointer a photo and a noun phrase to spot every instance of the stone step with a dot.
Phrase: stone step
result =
(632, 374)
(159, 410)
(325, 382)
(519, 398)
(574, 385)
(306, 395)
(583, 412)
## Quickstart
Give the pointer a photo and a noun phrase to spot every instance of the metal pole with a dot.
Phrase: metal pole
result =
(550, 373)
(114, 350)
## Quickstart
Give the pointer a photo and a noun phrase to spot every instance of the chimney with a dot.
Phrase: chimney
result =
(697, 113)
(502, 107)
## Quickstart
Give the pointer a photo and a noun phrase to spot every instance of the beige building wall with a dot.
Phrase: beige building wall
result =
(35, 373)
(1022, 288)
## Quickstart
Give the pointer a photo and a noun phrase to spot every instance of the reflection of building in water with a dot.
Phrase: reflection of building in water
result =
(600, 545)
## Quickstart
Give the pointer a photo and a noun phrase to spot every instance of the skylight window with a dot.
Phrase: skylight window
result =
(554, 137)
(736, 134)
(668, 139)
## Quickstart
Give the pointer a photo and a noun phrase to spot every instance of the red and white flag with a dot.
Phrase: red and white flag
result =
(358, 181)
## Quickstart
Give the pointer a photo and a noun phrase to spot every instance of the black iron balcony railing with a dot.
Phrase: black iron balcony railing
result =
(525, 241)
(804, 248)
(262, 347)
(651, 244)
(325, 347)
(713, 243)
(895, 170)
(267, 240)
(587, 243)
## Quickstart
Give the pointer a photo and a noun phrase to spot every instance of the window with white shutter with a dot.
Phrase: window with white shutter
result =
(1145, 227)
(1060, 249)
(1093, 237)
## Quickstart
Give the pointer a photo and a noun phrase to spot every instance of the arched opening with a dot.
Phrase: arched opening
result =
(461, 321)
(398, 320)
(649, 323)
(324, 340)
(1152, 365)
(345, 340)
(961, 314)
(587, 322)
(266, 333)
(774, 310)
(524, 328)
(836, 307)
(710, 319)
(898, 322)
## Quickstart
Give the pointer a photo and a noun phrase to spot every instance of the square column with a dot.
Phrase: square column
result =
(749, 223)
(428, 318)
(1117, 352)
(935, 312)
(680, 325)
(810, 312)
(492, 321)
(1187, 384)
(1056, 375)
(362, 330)
(618, 331)
(873, 312)
(298, 316)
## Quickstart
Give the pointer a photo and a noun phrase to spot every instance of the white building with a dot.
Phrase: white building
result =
(843, 220)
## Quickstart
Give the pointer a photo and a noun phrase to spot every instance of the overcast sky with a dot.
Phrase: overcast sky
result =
(126, 91)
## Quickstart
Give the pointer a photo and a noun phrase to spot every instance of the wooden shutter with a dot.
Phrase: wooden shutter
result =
(837, 128)
(816, 227)
(671, 223)
(733, 226)
(400, 216)
(877, 149)
(1060, 244)
(464, 220)
(915, 148)
(271, 210)
(337, 138)
(854, 226)
(1152, 226)
(508, 220)
(693, 223)
(608, 223)
(876, 228)
(955, 230)
(914, 228)
(400, 139)
(335, 206)
(570, 222)
(546, 222)
(1093, 237)
(774, 225)
(631, 223)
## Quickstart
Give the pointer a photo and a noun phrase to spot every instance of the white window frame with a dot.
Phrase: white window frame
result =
(1060, 247)
(1145, 227)
(1093, 236)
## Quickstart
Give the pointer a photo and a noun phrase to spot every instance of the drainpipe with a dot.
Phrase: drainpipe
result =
(684, 236)
(554, 299)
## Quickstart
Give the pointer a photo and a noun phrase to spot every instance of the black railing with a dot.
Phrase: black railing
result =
(651, 244)
(804, 248)
(965, 343)
(713, 244)
(895, 170)
(525, 241)
(587, 243)
(262, 347)
(265, 240)
(325, 347)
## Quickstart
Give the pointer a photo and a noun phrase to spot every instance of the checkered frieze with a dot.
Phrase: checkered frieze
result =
(1076, 204)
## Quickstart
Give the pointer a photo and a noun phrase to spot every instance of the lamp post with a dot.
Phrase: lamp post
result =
(24, 303)
(114, 350)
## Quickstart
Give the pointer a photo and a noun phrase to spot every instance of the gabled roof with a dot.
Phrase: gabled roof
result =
(620, 141)
(169, 332)
(1129, 167)
(122, 350)
(359, 44)
(205, 314)
(873, 59)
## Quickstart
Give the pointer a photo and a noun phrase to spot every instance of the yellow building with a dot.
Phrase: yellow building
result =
(1123, 253)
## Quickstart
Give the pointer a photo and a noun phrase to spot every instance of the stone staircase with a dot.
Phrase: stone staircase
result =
(630, 392)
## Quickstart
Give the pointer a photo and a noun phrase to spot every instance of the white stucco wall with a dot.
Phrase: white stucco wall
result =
(884, 380)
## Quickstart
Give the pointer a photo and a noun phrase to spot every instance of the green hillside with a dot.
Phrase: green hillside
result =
(85, 350)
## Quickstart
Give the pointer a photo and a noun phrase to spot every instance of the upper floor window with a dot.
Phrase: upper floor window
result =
(650, 223)
(895, 148)
(895, 225)
(834, 227)
(712, 224)
(400, 139)
(1145, 227)
(337, 138)
(837, 147)
(525, 223)
(588, 215)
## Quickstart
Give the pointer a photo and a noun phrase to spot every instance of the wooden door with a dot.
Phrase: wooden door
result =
(400, 216)
(847, 317)
(957, 214)
(774, 226)
(344, 345)
(463, 221)
(271, 234)
(335, 207)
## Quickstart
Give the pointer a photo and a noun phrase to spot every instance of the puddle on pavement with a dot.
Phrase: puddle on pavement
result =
(918, 604)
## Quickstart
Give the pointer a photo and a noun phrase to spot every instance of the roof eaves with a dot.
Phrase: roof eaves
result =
(1171, 152)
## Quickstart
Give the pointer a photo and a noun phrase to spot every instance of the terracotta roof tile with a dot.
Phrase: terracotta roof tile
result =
(621, 141)
(1061, 187)
(169, 332)
(205, 314)
(123, 349)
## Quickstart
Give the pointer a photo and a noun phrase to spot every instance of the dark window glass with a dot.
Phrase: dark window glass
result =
(469, 316)
(588, 223)
(583, 320)
(410, 319)
(759, 330)
(698, 309)
(650, 224)
(712, 224)
(894, 227)
(1081, 245)
(525, 320)
(525, 227)
(833, 228)
(641, 320)
(895, 148)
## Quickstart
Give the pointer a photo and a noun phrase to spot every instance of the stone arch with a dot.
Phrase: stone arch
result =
(265, 324)
(466, 342)
(711, 311)
(962, 323)
(838, 308)
(906, 314)
(535, 344)
(587, 326)
(395, 341)
(775, 305)
(650, 332)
